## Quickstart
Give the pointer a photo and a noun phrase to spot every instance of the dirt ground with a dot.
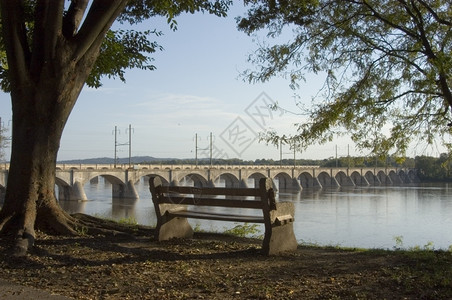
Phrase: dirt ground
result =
(218, 266)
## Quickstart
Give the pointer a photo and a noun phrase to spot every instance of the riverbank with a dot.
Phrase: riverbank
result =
(219, 266)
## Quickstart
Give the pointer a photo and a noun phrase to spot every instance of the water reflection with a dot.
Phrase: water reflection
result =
(368, 217)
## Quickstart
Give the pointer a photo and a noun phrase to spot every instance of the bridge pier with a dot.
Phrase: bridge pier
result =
(210, 183)
(344, 181)
(255, 182)
(123, 191)
(405, 178)
(384, 178)
(309, 182)
(360, 180)
(395, 178)
(296, 184)
(372, 179)
(243, 183)
(328, 181)
(76, 192)
(288, 183)
(316, 183)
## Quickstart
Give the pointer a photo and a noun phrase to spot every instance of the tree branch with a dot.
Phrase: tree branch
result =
(434, 14)
(48, 22)
(15, 39)
(73, 17)
(99, 19)
(380, 17)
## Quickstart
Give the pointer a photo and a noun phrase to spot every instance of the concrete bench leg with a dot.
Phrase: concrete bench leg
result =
(281, 239)
(279, 235)
(174, 227)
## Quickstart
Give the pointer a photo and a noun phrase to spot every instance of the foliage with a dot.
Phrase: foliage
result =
(433, 169)
(131, 221)
(53, 49)
(124, 48)
(387, 66)
(369, 161)
(244, 230)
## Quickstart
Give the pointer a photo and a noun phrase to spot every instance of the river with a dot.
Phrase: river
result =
(364, 217)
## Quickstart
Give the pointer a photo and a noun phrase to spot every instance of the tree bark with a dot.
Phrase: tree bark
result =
(39, 114)
(45, 84)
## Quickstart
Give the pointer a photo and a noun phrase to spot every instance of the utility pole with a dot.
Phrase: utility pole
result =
(116, 144)
(196, 150)
(348, 155)
(336, 157)
(280, 153)
(211, 149)
(123, 144)
(130, 145)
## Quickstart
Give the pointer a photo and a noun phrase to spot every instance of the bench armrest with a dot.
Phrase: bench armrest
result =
(284, 213)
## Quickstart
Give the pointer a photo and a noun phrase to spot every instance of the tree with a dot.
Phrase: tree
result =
(432, 168)
(53, 48)
(387, 67)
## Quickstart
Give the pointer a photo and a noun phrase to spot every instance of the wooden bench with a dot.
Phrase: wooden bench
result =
(174, 204)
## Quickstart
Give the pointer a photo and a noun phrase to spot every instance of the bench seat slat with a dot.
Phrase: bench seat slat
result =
(216, 216)
(257, 204)
(209, 191)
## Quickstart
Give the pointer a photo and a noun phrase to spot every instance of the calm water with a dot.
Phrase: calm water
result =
(366, 217)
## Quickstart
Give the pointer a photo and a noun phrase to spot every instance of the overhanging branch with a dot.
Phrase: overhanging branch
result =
(15, 39)
(73, 17)
(101, 15)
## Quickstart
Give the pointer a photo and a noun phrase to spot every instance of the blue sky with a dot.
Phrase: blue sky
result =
(196, 89)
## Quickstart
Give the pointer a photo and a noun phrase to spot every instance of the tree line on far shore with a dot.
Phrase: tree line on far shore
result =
(429, 168)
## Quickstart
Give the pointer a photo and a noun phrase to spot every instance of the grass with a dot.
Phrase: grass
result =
(245, 230)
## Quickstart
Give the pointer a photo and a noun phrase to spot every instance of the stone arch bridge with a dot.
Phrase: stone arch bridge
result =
(71, 178)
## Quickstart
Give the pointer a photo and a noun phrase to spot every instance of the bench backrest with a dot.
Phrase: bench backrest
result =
(186, 195)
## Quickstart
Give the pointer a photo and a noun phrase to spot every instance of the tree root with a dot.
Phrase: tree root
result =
(68, 225)
(23, 242)
(94, 225)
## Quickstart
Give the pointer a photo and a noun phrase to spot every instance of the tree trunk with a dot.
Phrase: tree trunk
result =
(46, 78)
(30, 196)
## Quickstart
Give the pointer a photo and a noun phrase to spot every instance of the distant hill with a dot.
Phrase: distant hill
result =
(109, 160)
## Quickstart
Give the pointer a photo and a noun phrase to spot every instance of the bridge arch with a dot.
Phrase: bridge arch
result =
(394, 176)
(193, 179)
(404, 177)
(384, 179)
(358, 179)
(372, 178)
(343, 180)
(308, 181)
(110, 178)
(286, 182)
(326, 180)
(67, 191)
(150, 175)
(254, 179)
(230, 180)
(412, 175)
